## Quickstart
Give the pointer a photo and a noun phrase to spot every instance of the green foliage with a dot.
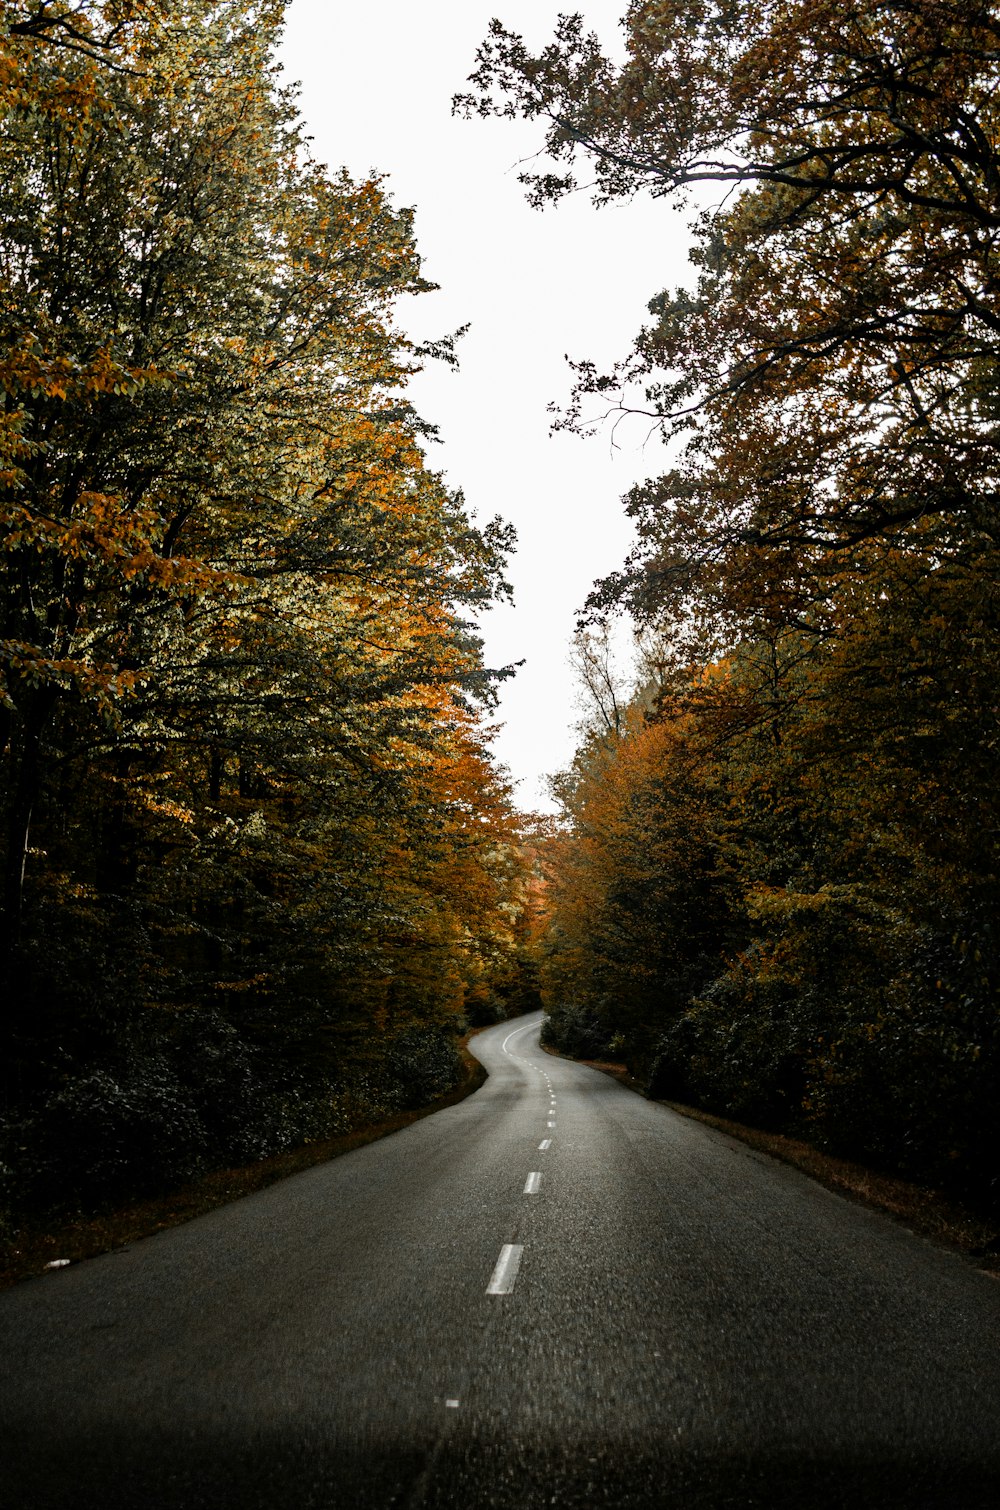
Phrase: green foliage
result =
(167, 1100)
(250, 819)
(819, 565)
(848, 990)
(575, 1030)
(420, 1064)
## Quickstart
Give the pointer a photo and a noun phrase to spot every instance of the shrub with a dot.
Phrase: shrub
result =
(575, 1030)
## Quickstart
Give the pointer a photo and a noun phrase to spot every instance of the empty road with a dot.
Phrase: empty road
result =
(553, 1294)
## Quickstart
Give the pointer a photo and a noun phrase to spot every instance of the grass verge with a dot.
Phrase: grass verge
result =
(37, 1245)
(924, 1211)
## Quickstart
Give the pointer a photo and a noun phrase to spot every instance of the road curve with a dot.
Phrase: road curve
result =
(553, 1294)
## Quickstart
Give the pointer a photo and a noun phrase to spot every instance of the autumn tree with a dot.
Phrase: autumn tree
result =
(834, 360)
(638, 905)
(257, 856)
(819, 557)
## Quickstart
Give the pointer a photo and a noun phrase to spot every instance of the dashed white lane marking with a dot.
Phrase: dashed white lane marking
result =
(550, 1124)
(451, 1405)
(532, 1184)
(544, 1144)
(505, 1272)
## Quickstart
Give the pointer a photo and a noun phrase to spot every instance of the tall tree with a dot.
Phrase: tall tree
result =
(820, 557)
(836, 361)
(251, 819)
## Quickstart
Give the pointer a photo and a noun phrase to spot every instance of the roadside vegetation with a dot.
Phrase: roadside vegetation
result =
(775, 892)
(49, 1239)
(259, 872)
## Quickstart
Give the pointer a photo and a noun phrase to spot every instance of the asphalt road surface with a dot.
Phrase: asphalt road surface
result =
(553, 1294)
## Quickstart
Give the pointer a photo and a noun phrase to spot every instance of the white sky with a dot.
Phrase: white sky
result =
(377, 81)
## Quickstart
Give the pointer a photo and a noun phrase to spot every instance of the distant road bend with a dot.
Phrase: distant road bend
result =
(553, 1294)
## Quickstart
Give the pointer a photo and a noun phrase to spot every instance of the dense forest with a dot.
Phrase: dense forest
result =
(259, 868)
(775, 893)
(259, 871)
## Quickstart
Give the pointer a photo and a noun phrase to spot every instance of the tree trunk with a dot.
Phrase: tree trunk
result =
(24, 769)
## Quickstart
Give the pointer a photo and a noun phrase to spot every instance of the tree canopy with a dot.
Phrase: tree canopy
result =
(781, 866)
(257, 859)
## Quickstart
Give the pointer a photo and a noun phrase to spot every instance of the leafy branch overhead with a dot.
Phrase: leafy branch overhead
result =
(846, 307)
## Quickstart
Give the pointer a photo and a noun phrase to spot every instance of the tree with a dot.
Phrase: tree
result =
(187, 297)
(820, 558)
(243, 753)
(836, 360)
(638, 905)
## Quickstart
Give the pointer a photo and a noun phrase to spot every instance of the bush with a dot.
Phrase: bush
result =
(106, 1137)
(575, 1030)
(163, 1095)
(216, 1068)
(421, 1063)
(741, 1049)
(483, 1006)
(879, 1047)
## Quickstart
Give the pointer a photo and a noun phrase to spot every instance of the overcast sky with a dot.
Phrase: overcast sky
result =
(376, 87)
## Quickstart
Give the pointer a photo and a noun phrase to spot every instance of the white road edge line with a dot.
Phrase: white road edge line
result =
(525, 1029)
(505, 1272)
(532, 1184)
